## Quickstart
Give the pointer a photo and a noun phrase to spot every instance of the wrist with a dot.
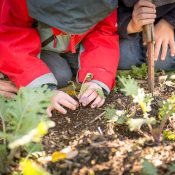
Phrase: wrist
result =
(165, 22)
(132, 28)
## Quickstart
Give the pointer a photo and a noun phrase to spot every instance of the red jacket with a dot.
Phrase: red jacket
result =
(20, 44)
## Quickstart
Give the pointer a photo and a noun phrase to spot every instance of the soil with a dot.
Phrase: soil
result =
(104, 148)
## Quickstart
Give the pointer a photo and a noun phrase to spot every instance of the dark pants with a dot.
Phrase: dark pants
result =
(63, 66)
(132, 52)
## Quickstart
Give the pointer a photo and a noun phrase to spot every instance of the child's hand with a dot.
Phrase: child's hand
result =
(164, 36)
(91, 95)
(7, 89)
(144, 13)
(61, 100)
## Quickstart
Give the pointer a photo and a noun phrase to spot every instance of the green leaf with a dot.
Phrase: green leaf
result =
(100, 93)
(130, 86)
(117, 116)
(139, 72)
(136, 124)
(149, 168)
(168, 135)
(110, 113)
(3, 158)
(23, 113)
(168, 107)
(33, 147)
(83, 89)
(171, 168)
(88, 77)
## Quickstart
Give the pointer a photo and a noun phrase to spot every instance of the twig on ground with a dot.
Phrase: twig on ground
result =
(98, 117)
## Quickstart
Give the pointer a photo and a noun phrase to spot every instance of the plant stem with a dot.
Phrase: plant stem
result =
(160, 129)
(4, 128)
(11, 156)
(142, 133)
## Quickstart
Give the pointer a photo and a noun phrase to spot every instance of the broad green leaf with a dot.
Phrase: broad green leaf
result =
(136, 124)
(171, 168)
(130, 86)
(23, 114)
(149, 168)
(33, 147)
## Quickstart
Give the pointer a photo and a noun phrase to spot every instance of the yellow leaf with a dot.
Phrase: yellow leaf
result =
(56, 156)
(70, 92)
(31, 168)
(42, 129)
(143, 106)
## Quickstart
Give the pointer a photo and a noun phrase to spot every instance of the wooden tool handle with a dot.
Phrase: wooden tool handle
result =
(148, 32)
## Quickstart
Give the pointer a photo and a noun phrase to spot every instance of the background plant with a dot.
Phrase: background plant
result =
(24, 123)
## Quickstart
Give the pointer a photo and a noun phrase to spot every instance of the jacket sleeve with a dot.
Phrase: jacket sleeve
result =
(20, 45)
(124, 17)
(99, 54)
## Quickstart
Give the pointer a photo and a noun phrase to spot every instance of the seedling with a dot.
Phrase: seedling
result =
(84, 87)
(131, 88)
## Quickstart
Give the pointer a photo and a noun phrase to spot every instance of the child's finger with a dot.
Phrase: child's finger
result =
(157, 48)
(7, 94)
(71, 100)
(101, 103)
(146, 16)
(49, 110)
(7, 86)
(147, 11)
(146, 21)
(59, 108)
(172, 48)
(96, 102)
(164, 50)
(67, 104)
(90, 98)
(87, 93)
(144, 3)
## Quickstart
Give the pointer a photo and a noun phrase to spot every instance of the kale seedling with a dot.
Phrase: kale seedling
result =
(131, 88)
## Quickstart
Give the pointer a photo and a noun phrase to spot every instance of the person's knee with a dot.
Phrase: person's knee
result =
(58, 66)
(63, 77)
(130, 54)
(168, 64)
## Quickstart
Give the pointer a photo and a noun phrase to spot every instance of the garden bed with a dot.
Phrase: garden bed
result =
(104, 148)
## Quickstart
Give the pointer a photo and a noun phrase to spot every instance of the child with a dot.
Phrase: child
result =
(133, 15)
(62, 54)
